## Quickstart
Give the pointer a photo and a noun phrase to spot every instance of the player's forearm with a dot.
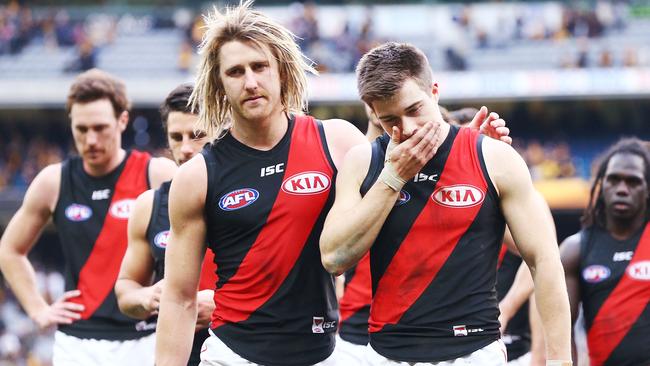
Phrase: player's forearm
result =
(131, 297)
(348, 235)
(175, 328)
(19, 274)
(553, 305)
(519, 292)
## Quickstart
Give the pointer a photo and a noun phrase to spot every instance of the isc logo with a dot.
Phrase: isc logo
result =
(458, 196)
(161, 239)
(238, 199)
(76, 212)
(639, 270)
(122, 209)
(595, 273)
(306, 183)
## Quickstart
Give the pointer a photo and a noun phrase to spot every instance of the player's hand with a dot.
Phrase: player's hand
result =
(205, 304)
(409, 156)
(62, 311)
(491, 125)
(504, 318)
(151, 297)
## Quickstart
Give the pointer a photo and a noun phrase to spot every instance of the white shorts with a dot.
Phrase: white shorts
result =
(348, 353)
(215, 353)
(494, 354)
(73, 351)
(524, 360)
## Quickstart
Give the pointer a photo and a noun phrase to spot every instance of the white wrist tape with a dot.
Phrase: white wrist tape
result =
(389, 177)
(558, 363)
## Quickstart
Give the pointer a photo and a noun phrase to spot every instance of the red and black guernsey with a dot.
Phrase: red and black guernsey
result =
(615, 291)
(517, 335)
(434, 261)
(355, 304)
(275, 303)
(91, 217)
(157, 236)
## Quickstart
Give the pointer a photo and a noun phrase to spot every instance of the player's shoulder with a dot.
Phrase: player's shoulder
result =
(570, 250)
(161, 169)
(49, 177)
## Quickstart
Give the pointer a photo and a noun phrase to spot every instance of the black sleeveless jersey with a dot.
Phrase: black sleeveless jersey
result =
(158, 229)
(275, 303)
(157, 236)
(517, 335)
(91, 217)
(434, 261)
(615, 293)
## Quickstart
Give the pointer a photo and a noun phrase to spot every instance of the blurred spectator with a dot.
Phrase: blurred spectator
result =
(548, 161)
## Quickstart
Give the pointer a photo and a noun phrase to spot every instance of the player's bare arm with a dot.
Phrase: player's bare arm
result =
(353, 222)
(137, 297)
(570, 256)
(341, 136)
(522, 205)
(183, 258)
(161, 170)
(19, 237)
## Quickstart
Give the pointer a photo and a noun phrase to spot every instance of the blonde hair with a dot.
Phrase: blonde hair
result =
(243, 24)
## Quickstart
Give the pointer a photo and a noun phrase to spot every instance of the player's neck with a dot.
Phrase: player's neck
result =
(101, 170)
(623, 229)
(261, 134)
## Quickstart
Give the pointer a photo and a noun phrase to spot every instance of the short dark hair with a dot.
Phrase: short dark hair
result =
(384, 69)
(96, 84)
(177, 101)
(595, 212)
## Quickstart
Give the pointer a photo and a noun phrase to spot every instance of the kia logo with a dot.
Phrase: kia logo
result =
(639, 270)
(122, 209)
(458, 196)
(306, 183)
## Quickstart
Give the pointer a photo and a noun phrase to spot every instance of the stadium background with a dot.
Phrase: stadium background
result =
(568, 77)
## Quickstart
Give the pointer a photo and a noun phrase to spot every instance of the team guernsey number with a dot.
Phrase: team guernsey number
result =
(306, 183)
(237, 199)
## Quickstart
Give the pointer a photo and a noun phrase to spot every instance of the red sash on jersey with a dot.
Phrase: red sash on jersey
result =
(99, 273)
(502, 254)
(282, 238)
(358, 292)
(623, 306)
(208, 272)
(431, 239)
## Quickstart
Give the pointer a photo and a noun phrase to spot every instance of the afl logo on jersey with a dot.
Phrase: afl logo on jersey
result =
(237, 199)
(595, 273)
(306, 183)
(161, 239)
(639, 271)
(76, 212)
(122, 209)
(458, 196)
(404, 197)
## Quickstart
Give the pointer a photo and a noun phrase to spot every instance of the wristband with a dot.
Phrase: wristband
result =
(558, 363)
(389, 177)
